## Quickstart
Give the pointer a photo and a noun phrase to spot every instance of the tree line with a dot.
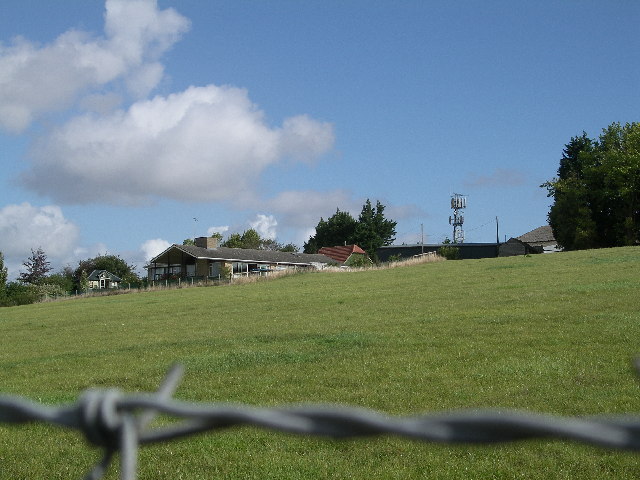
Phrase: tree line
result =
(37, 281)
(250, 239)
(596, 191)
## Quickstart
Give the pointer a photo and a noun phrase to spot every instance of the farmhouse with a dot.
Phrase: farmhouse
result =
(206, 259)
(103, 279)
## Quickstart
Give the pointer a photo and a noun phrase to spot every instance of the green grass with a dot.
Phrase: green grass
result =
(547, 333)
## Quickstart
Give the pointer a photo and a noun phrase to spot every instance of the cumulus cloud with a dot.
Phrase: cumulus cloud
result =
(303, 138)
(265, 225)
(221, 230)
(300, 209)
(203, 144)
(501, 177)
(35, 79)
(24, 227)
(153, 247)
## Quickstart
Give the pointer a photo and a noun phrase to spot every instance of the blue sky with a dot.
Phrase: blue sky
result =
(122, 122)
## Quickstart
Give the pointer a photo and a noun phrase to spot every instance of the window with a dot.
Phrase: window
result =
(240, 267)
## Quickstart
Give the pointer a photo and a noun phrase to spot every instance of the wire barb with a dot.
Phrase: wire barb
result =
(117, 422)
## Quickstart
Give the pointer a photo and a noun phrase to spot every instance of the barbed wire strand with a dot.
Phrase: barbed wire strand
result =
(116, 422)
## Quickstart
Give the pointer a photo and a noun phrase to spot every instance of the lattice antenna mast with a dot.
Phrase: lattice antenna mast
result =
(458, 204)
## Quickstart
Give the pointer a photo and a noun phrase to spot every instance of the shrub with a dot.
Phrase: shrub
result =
(449, 252)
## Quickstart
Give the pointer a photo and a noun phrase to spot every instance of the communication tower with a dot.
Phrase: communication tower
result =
(458, 204)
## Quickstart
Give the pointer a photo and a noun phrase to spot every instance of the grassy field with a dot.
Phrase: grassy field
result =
(547, 333)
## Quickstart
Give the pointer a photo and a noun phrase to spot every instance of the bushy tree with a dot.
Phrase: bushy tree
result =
(252, 239)
(336, 230)
(63, 279)
(234, 241)
(373, 230)
(37, 267)
(18, 293)
(289, 247)
(83, 283)
(597, 190)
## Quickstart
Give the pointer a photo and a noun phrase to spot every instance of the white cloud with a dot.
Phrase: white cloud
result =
(24, 227)
(301, 209)
(35, 80)
(101, 103)
(221, 230)
(204, 144)
(265, 225)
(153, 247)
(304, 138)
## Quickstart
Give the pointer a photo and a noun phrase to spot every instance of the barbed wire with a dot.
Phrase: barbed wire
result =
(117, 422)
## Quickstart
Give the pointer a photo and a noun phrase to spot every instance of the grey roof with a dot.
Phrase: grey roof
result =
(95, 276)
(246, 255)
(538, 236)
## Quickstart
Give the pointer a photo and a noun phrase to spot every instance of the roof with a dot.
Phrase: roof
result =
(341, 253)
(245, 255)
(538, 236)
(96, 274)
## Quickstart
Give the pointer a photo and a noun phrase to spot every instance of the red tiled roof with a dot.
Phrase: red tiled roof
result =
(341, 253)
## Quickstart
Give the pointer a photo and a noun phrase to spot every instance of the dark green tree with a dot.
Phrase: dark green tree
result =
(336, 230)
(63, 279)
(234, 241)
(597, 190)
(373, 230)
(290, 247)
(251, 239)
(37, 267)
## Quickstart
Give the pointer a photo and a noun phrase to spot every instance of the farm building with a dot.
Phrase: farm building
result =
(539, 240)
(345, 255)
(206, 259)
(541, 237)
(103, 279)
(467, 250)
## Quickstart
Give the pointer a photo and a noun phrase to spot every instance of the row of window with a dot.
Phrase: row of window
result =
(238, 268)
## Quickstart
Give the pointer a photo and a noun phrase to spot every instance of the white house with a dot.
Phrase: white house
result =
(103, 279)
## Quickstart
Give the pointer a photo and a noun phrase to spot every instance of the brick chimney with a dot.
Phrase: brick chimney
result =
(206, 242)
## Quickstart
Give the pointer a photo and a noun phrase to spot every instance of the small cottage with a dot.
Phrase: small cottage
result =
(101, 279)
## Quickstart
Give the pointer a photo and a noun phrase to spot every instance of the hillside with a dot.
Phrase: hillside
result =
(547, 333)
